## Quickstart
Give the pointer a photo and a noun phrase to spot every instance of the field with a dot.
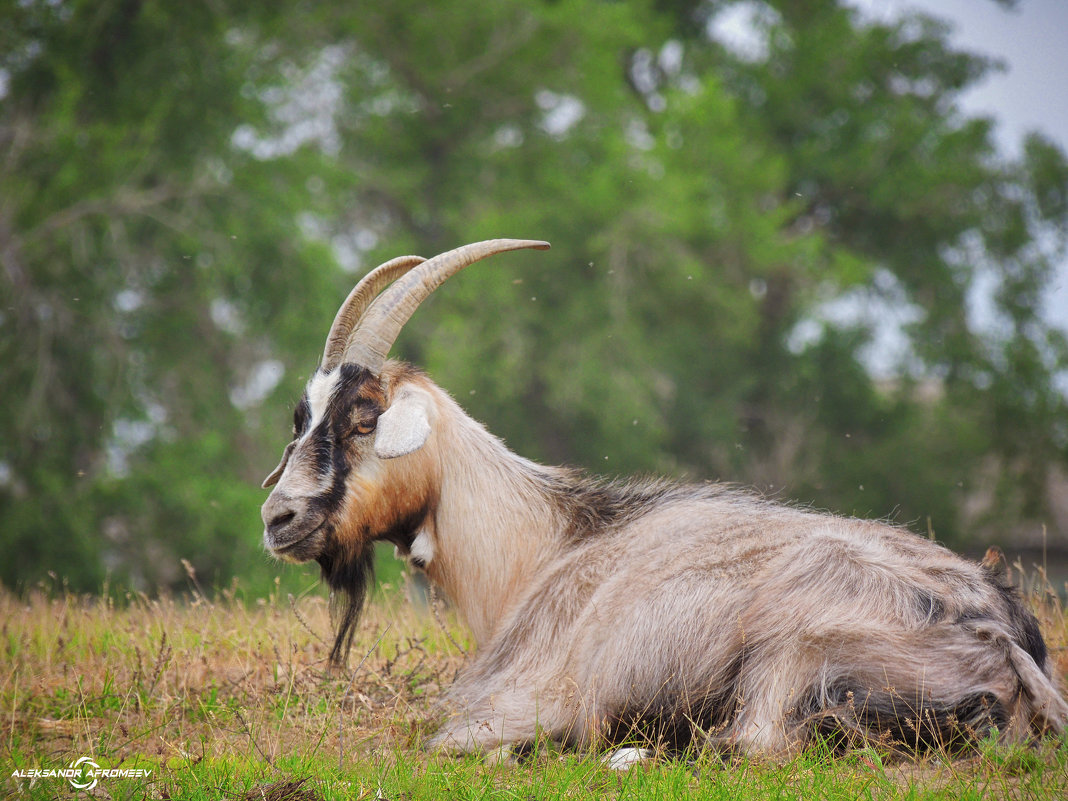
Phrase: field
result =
(228, 698)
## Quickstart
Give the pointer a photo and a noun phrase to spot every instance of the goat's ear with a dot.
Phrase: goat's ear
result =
(405, 425)
(276, 474)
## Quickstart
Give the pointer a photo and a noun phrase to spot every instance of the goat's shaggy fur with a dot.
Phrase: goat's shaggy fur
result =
(607, 611)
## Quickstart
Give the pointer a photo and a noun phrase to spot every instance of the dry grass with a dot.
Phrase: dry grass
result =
(182, 680)
(226, 699)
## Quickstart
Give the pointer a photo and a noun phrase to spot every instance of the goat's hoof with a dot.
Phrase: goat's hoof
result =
(505, 756)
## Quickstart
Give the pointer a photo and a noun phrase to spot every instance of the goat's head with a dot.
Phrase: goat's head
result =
(361, 466)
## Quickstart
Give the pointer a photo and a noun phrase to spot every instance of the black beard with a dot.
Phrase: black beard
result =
(350, 577)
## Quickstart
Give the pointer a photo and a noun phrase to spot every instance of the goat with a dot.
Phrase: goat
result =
(607, 610)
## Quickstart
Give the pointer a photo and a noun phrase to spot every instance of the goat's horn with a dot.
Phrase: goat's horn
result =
(348, 316)
(382, 323)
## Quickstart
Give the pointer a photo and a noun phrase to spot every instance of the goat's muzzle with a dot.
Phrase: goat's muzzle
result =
(293, 531)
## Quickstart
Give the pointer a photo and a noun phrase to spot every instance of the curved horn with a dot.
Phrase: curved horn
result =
(379, 328)
(348, 316)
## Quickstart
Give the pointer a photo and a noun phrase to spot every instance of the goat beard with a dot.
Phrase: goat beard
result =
(349, 576)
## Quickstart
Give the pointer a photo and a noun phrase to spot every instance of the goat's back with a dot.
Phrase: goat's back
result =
(758, 624)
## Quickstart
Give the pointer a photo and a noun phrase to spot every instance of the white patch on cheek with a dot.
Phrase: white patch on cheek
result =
(364, 483)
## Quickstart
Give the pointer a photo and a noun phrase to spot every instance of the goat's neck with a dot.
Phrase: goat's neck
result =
(495, 523)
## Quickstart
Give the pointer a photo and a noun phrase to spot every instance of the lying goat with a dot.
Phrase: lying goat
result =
(605, 611)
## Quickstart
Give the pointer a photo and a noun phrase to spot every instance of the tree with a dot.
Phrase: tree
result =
(144, 261)
(923, 211)
(189, 192)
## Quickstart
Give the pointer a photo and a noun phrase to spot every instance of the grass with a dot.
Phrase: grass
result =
(230, 699)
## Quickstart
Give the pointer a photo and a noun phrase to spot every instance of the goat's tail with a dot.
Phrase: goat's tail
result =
(1040, 704)
(1012, 696)
(942, 688)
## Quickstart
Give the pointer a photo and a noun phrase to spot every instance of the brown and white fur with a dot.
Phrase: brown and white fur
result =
(607, 612)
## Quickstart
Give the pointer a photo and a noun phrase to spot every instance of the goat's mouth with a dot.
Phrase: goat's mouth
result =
(303, 548)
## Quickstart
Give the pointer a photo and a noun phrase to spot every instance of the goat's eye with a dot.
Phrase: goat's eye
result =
(365, 427)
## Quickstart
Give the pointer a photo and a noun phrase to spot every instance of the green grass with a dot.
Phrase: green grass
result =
(231, 699)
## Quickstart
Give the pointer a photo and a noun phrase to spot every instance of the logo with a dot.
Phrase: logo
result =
(90, 766)
(83, 773)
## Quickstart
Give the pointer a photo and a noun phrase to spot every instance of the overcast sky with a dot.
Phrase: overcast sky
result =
(1030, 94)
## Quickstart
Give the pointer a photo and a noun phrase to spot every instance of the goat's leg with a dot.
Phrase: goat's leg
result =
(768, 699)
(492, 721)
(471, 734)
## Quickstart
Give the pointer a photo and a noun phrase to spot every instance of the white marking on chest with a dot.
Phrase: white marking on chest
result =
(422, 548)
(319, 390)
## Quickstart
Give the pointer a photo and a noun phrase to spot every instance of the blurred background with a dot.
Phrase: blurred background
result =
(789, 251)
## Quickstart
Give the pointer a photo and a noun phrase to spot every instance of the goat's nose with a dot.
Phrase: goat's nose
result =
(280, 520)
(277, 512)
(288, 521)
(279, 523)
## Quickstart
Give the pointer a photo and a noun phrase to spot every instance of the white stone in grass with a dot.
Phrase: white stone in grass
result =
(626, 758)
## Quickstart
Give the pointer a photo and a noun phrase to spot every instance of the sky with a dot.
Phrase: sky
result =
(1030, 94)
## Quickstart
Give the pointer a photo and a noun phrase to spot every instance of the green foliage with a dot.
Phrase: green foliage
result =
(188, 190)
